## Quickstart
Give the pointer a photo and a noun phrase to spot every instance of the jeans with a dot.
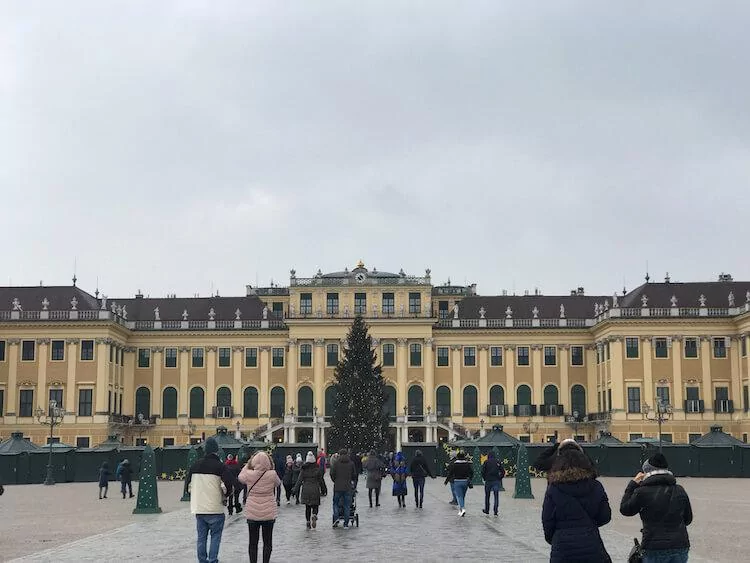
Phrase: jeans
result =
(494, 488)
(418, 490)
(666, 556)
(453, 493)
(129, 486)
(347, 500)
(460, 487)
(215, 524)
(255, 527)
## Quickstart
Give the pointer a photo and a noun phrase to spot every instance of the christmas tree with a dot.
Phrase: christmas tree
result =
(358, 420)
(496, 453)
(193, 456)
(476, 466)
(523, 479)
(148, 494)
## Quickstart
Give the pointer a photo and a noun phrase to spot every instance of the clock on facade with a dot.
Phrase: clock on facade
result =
(360, 277)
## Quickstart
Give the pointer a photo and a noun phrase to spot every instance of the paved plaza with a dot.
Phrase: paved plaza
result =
(68, 523)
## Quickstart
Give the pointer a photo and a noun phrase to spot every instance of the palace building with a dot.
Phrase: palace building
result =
(170, 370)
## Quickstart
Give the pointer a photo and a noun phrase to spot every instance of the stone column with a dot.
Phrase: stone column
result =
(564, 378)
(291, 373)
(41, 396)
(210, 381)
(128, 392)
(184, 394)
(484, 392)
(677, 396)
(457, 392)
(616, 374)
(398, 439)
(536, 366)
(319, 379)
(707, 391)
(157, 360)
(71, 356)
(510, 381)
(101, 401)
(263, 398)
(429, 374)
(237, 397)
(401, 365)
(592, 391)
(12, 392)
(648, 380)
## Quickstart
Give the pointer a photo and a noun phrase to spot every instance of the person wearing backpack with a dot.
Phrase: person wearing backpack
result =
(492, 474)
(665, 512)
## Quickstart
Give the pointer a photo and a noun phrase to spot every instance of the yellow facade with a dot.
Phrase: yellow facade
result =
(519, 361)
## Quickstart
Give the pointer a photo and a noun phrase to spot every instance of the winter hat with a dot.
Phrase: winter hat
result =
(230, 457)
(211, 446)
(125, 462)
(399, 457)
(310, 458)
(655, 462)
(298, 459)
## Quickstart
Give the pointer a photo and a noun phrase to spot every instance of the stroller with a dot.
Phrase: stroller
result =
(353, 515)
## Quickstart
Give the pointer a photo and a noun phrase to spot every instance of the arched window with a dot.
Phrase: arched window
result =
(330, 400)
(277, 402)
(169, 403)
(223, 397)
(443, 396)
(550, 395)
(470, 400)
(197, 403)
(523, 395)
(497, 395)
(250, 403)
(416, 400)
(143, 402)
(305, 401)
(578, 399)
(389, 406)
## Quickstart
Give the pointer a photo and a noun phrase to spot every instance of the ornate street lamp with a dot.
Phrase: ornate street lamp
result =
(660, 414)
(53, 417)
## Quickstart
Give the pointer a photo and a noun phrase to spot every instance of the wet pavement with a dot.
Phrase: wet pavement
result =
(94, 530)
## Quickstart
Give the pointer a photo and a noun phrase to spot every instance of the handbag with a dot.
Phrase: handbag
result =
(636, 553)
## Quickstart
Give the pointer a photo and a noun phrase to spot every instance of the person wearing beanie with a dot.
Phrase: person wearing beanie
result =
(289, 478)
(343, 475)
(296, 472)
(575, 507)
(665, 511)
(124, 474)
(460, 474)
(419, 470)
(209, 481)
(260, 509)
(310, 487)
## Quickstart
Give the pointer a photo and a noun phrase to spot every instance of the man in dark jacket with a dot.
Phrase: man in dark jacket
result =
(492, 474)
(125, 476)
(343, 474)
(209, 481)
(575, 506)
(419, 472)
(280, 467)
(665, 511)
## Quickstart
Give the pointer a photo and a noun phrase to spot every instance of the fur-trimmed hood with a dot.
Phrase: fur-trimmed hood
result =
(570, 475)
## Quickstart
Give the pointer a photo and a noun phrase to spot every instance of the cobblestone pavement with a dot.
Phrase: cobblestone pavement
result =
(79, 527)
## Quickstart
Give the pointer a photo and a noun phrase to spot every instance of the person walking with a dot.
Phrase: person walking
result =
(288, 478)
(665, 512)
(313, 486)
(448, 466)
(296, 471)
(575, 507)
(125, 475)
(419, 470)
(460, 474)
(280, 467)
(492, 474)
(375, 468)
(342, 475)
(104, 479)
(209, 481)
(260, 509)
(399, 473)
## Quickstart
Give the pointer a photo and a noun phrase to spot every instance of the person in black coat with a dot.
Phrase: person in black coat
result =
(280, 467)
(575, 507)
(419, 471)
(125, 476)
(665, 511)
(104, 475)
(492, 474)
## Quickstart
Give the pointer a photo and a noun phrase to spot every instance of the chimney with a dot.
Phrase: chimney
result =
(139, 295)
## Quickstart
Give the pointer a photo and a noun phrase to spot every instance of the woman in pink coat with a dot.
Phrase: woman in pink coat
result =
(260, 509)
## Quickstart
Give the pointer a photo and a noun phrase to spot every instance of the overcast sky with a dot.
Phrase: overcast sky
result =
(193, 146)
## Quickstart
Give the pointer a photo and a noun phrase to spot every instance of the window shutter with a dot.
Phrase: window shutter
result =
(515, 410)
(701, 405)
(730, 404)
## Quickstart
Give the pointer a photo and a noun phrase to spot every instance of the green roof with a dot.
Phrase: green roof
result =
(716, 437)
(17, 444)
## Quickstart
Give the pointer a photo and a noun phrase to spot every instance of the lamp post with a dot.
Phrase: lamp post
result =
(660, 414)
(53, 417)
